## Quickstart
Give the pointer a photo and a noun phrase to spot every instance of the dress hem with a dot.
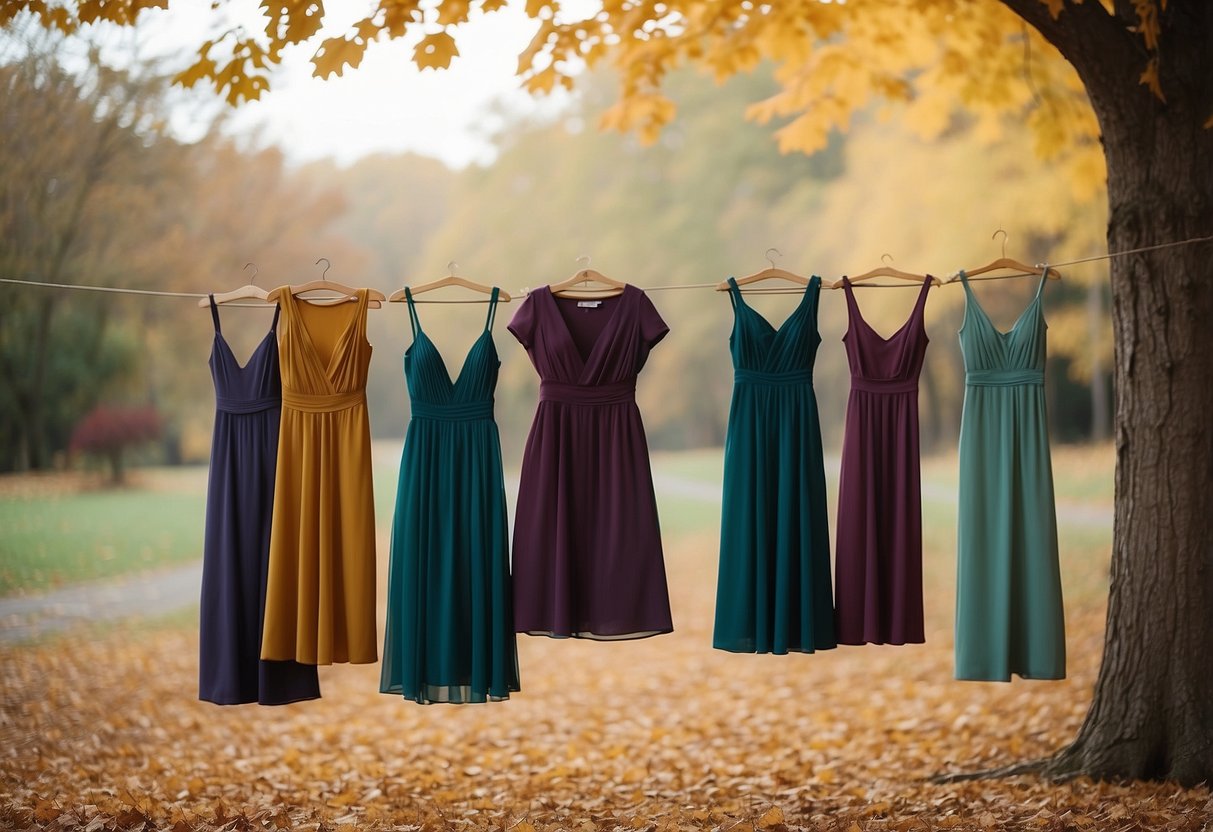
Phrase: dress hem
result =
(592, 636)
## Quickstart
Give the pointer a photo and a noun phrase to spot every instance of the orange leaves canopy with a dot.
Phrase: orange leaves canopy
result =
(933, 57)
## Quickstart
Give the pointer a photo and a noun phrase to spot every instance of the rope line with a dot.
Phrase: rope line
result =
(774, 290)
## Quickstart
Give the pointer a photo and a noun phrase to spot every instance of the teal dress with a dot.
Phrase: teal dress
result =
(1009, 616)
(450, 627)
(773, 594)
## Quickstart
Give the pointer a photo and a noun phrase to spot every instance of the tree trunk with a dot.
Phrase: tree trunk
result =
(1101, 413)
(1152, 712)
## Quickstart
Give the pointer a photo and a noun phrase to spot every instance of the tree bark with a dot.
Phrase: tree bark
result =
(1152, 712)
(1101, 412)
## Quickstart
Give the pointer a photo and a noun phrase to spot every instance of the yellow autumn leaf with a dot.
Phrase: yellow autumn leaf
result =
(771, 817)
(435, 51)
(398, 14)
(335, 53)
(1149, 77)
(451, 12)
(202, 68)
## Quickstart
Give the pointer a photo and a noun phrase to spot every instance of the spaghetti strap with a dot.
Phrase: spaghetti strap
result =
(964, 281)
(734, 292)
(408, 296)
(1044, 275)
(214, 312)
(488, 323)
(921, 305)
(277, 312)
(852, 306)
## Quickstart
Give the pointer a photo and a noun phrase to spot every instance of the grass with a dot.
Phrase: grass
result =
(47, 540)
(50, 537)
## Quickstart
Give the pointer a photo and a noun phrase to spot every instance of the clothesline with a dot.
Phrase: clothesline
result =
(772, 290)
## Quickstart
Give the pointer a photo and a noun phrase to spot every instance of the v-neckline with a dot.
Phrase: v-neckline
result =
(232, 353)
(446, 371)
(986, 315)
(776, 330)
(327, 366)
(901, 329)
(587, 359)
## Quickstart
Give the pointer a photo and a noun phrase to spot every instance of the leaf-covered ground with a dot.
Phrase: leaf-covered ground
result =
(102, 730)
(662, 734)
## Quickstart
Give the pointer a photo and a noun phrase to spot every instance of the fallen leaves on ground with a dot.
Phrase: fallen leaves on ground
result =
(660, 735)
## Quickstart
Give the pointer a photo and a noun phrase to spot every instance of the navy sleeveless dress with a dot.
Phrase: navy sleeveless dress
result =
(450, 630)
(235, 559)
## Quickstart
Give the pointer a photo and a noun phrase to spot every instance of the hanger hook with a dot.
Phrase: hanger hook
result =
(1004, 239)
(252, 280)
(586, 265)
(889, 261)
(451, 265)
(327, 266)
(771, 259)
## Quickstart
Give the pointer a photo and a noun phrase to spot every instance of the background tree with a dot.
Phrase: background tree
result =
(1145, 66)
(111, 431)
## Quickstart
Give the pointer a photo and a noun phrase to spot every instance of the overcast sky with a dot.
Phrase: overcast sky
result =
(387, 104)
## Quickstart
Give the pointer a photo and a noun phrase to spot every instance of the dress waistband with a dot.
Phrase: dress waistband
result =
(229, 405)
(785, 379)
(620, 392)
(1004, 378)
(453, 411)
(323, 403)
(884, 385)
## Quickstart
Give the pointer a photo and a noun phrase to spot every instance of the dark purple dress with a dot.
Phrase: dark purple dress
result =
(878, 562)
(587, 548)
(239, 504)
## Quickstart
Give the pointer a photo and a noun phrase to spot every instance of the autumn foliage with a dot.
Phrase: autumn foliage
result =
(109, 431)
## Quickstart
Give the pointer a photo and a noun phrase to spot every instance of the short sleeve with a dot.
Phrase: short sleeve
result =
(652, 327)
(522, 325)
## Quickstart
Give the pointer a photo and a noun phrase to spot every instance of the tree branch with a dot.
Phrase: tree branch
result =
(1084, 32)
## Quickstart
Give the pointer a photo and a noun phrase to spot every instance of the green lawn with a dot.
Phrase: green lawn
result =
(49, 540)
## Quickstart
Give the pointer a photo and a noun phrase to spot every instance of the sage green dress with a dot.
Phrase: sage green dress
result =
(450, 625)
(1009, 617)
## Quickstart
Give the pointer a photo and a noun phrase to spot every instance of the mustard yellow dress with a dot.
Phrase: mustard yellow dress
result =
(320, 594)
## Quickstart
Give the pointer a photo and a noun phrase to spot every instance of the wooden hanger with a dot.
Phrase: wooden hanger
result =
(246, 292)
(451, 279)
(772, 272)
(1005, 262)
(887, 271)
(373, 296)
(575, 286)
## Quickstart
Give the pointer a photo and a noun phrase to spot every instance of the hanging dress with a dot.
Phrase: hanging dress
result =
(878, 568)
(236, 547)
(773, 593)
(1009, 616)
(587, 547)
(320, 602)
(450, 631)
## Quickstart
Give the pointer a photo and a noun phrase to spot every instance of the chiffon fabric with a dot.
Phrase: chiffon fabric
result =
(878, 570)
(587, 546)
(450, 630)
(236, 546)
(1009, 615)
(320, 602)
(773, 593)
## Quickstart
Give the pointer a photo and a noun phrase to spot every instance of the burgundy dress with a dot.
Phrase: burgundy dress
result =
(587, 557)
(878, 562)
